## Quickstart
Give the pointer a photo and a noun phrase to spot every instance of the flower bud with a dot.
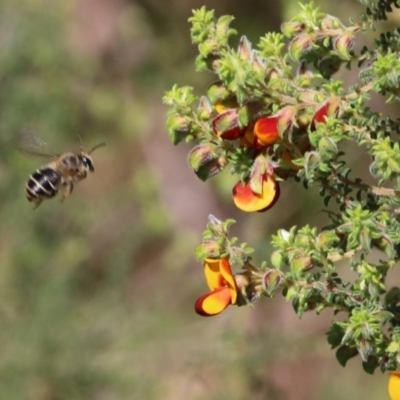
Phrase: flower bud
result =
(343, 44)
(325, 239)
(201, 155)
(244, 49)
(365, 349)
(257, 64)
(178, 128)
(217, 91)
(330, 22)
(272, 280)
(208, 47)
(207, 249)
(286, 118)
(204, 109)
(226, 125)
(301, 264)
(303, 121)
(291, 28)
(205, 162)
(301, 45)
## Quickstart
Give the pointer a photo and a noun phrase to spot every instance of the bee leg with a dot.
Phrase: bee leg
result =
(37, 204)
(69, 187)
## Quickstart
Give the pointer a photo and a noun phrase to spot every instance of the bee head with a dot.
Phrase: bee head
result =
(87, 162)
(86, 159)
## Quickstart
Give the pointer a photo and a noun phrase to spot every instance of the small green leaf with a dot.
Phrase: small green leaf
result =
(344, 354)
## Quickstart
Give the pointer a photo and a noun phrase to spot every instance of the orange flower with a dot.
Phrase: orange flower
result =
(268, 129)
(394, 385)
(223, 289)
(247, 200)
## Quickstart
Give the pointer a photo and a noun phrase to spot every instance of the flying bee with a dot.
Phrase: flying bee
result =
(64, 170)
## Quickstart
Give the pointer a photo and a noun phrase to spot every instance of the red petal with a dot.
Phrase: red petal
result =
(321, 114)
(231, 135)
(330, 108)
(213, 303)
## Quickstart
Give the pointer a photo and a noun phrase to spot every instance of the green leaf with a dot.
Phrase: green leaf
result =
(344, 354)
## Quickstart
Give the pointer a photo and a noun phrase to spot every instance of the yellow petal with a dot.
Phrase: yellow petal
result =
(214, 278)
(394, 385)
(246, 200)
(226, 272)
(213, 303)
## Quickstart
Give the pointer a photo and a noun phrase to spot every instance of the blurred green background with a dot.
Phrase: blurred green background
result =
(97, 293)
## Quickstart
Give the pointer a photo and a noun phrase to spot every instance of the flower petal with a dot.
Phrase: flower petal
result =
(248, 139)
(246, 200)
(394, 385)
(226, 272)
(329, 108)
(266, 130)
(213, 303)
(226, 125)
(214, 278)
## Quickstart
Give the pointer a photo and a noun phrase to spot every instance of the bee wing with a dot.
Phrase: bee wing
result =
(30, 144)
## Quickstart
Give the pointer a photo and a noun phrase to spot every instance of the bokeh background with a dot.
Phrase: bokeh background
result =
(97, 293)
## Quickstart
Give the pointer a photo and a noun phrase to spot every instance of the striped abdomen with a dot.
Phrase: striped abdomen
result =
(42, 184)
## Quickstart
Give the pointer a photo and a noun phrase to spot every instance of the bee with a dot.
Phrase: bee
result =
(65, 170)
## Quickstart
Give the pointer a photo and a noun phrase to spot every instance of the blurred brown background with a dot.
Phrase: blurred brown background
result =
(97, 294)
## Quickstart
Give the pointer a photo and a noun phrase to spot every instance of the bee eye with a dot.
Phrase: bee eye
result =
(87, 162)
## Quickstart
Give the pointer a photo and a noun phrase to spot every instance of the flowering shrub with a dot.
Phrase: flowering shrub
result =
(275, 112)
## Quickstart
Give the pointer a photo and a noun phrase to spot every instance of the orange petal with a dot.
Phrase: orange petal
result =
(214, 278)
(266, 130)
(213, 303)
(248, 139)
(246, 200)
(394, 385)
(226, 272)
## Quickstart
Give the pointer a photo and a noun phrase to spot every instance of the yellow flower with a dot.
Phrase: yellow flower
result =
(222, 285)
(246, 200)
(394, 385)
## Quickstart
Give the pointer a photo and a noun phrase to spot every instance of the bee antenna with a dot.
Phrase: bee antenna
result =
(80, 141)
(96, 147)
